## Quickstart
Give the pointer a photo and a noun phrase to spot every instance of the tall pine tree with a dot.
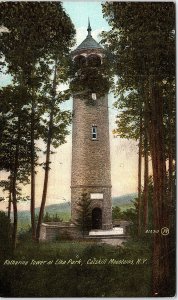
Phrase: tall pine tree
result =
(142, 41)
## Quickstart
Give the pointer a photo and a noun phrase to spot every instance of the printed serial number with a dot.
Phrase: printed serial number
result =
(152, 231)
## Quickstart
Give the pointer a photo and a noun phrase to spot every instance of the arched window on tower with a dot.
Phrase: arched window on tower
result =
(80, 61)
(94, 60)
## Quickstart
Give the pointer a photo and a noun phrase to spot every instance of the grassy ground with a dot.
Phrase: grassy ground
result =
(88, 271)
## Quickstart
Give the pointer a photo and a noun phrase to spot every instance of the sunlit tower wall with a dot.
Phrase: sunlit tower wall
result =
(91, 168)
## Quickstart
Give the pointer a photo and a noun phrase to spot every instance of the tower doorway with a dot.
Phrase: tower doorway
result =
(96, 218)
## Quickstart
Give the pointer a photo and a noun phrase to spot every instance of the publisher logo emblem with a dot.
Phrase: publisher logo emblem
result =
(164, 231)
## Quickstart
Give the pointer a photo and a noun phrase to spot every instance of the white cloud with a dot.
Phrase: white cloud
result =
(96, 34)
(81, 34)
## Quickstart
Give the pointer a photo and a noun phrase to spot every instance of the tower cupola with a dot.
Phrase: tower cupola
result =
(88, 45)
(89, 68)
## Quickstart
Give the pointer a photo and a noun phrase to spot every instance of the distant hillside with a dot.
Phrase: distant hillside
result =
(63, 209)
(55, 208)
(123, 200)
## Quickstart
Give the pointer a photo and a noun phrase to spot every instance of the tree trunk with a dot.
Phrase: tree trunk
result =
(14, 192)
(45, 185)
(145, 193)
(47, 163)
(9, 205)
(170, 160)
(146, 168)
(140, 176)
(32, 204)
(160, 271)
(10, 185)
(10, 199)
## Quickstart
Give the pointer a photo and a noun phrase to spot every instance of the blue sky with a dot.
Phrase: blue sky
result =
(80, 11)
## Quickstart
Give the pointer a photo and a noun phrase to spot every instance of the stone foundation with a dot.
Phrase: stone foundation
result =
(51, 231)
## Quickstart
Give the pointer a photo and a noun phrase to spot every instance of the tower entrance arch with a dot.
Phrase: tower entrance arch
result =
(96, 218)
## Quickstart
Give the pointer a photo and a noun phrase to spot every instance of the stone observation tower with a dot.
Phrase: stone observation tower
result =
(90, 137)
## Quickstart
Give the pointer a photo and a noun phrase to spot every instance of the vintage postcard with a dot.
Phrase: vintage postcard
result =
(87, 149)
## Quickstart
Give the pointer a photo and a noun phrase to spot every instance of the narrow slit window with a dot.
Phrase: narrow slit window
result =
(94, 132)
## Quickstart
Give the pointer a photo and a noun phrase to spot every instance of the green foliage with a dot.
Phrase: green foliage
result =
(14, 100)
(14, 121)
(37, 35)
(35, 30)
(130, 215)
(61, 118)
(83, 210)
(143, 55)
(142, 41)
(51, 218)
(24, 234)
(116, 213)
(128, 118)
(35, 44)
(138, 44)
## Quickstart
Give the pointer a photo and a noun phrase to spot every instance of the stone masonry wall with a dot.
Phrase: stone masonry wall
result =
(55, 230)
(91, 158)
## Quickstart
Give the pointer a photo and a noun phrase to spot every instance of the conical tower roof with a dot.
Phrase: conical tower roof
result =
(89, 42)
